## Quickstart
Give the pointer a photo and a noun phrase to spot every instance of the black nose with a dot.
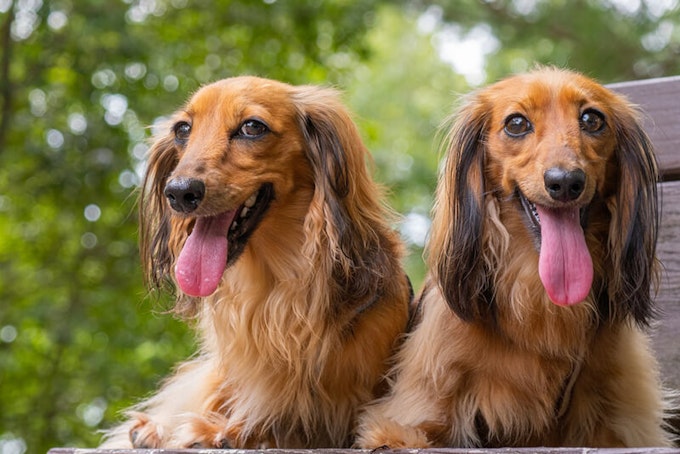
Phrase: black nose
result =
(184, 194)
(564, 185)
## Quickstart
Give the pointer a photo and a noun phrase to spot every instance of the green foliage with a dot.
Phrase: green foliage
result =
(401, 107)
(80, 341)
(80, 81)
(612, 40)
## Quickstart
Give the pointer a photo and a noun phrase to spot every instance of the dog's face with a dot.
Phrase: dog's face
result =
(240, 139)
(551, 138)
(574, 173)
(551, 141)
(256, 162)
(238, 147)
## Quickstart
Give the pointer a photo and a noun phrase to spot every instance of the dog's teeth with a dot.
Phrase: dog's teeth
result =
(251, 201)
(534, 211)
(234, 226)
(244, 212)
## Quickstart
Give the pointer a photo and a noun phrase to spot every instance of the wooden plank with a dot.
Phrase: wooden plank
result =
(377, 451)
(660, 99)
(666, 343)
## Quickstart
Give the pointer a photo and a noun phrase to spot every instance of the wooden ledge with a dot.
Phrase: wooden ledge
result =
(365, 451)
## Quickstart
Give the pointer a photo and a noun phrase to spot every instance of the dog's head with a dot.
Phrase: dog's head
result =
(245, 154)
(573, 160)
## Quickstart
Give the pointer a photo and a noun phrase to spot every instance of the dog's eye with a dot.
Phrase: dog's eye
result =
(592, 121)
(517, 125)
(252, 129)
(182, 131)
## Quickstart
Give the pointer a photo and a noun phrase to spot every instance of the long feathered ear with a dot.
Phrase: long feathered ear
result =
(454, 251)
(635, 220)
(345, 216)
(155, 228)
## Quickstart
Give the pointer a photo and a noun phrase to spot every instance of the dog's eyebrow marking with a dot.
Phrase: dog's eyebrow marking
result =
(183, 114)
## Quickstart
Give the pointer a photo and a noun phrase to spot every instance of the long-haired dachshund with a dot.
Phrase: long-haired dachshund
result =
(542, 256)
(258, 204)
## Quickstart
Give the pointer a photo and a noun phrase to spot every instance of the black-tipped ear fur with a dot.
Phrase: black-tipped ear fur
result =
(345, 208)
(154, 218)
(455, 247)
(328, 158)
(635, 222)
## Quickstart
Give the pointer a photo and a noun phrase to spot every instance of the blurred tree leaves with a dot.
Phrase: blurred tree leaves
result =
(79, 339)
(81, 81)
(613, 40)
(402, 93)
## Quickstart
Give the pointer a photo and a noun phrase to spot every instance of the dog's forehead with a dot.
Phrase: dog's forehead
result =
(543, 90)
(241, 95)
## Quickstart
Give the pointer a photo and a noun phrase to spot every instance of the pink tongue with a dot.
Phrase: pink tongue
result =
(565, 265)
(202, 261)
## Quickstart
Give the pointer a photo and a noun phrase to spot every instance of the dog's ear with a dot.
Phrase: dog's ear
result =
(454, 251)
(635, 220)
(155, 228)
(345, 206)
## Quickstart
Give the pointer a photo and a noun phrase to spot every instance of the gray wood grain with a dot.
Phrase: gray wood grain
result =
(377, 451)
(667, 333)
(660, 100)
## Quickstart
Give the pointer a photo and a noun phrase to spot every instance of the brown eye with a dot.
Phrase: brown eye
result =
(251, 129)
(182, 131)
(592, 121)
(517, 125)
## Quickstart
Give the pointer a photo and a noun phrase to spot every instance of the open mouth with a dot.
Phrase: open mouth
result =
(248, 217)
(565, 266)
(534, 218)
(217, 241)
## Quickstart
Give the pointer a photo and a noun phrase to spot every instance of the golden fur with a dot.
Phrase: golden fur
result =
(298, 334)
(493, 361)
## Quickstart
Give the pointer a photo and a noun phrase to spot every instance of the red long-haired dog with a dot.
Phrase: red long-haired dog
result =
(258, 203)
(542, 256)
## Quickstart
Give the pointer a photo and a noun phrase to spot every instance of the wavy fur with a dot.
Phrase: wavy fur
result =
(298, 334)
(493, 362)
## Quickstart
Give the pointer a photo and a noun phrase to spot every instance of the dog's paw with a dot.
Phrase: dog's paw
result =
(384, 433)
(203, 432)
(144, 432)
